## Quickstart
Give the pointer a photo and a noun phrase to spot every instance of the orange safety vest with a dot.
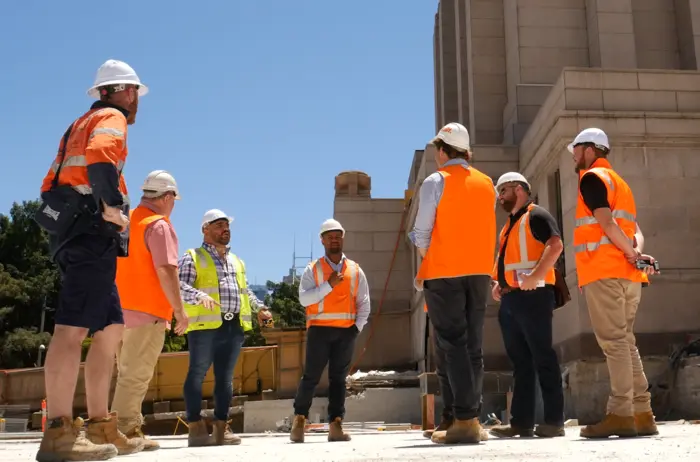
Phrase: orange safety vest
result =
(523, 251)
(98, 136)
(338, 308)
(463, 240)
(596, 256)
(137, 280)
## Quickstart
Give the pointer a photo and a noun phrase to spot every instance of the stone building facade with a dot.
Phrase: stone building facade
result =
(525, 76)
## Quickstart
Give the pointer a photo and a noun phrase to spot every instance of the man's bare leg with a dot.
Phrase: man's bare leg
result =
(61, 370)
(99, 367)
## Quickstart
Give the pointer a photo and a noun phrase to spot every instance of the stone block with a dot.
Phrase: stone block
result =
(551, 37)
(580, 99)
(487, 28)
(383, 241)
(553, 4)
(554, 57)
(353, 205)
(486, 9)
(489, 84)
(676, 81)
(658, 59)
(540, 74)
(669, 127)
(575, 78)
(653, 5)
(488, 46)
(690, 164)
(639, 100)
(617, 50)
(532, 94)
(688, 101)
(569, 18)
(358, 241)
(488, 65)
(369, 221)
(379, 261)
(388, 205)
(619, 80)
(614, 6)
(615, 23)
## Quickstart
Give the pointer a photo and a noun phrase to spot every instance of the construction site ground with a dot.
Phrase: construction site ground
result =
(676, 442)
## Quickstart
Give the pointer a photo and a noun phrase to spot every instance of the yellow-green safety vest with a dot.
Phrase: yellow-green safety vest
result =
(207, 281)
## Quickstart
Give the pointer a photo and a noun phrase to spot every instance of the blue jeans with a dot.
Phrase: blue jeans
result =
(220, 346)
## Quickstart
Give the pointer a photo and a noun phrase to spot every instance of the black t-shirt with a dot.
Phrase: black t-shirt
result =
(594, 192)
(543, 227)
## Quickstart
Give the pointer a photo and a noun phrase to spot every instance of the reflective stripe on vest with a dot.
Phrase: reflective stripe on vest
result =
(525, 262)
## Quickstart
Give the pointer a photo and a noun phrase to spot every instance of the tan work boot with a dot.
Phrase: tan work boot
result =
(296, 434)
(133, 428)
(611, 425)
(198, 435)
(550, 431)
(645, 423)
(335, 431)
(223, 435)
(444, 425)
(105, 431)
(483, 433)
(66, 442)
(510, 431)
(460, 432)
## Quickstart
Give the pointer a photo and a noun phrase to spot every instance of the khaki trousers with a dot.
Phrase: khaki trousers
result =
(136, 360)
(612, 306)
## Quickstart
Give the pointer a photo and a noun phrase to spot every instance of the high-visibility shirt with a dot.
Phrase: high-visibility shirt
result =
(339, 307)
(207, 281)
(522, 251)
(98, 136)
(596, 256)
(463, 240)
(137, 280)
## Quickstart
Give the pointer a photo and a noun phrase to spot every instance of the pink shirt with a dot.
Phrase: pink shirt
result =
(162, 242)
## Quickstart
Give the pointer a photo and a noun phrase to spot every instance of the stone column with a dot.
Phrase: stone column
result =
(688, 26)
(611, 34)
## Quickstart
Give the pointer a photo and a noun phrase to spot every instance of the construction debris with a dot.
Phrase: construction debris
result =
(382, 379)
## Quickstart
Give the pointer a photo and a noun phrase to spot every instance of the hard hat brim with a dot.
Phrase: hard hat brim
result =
(570, 147)
(93, 93)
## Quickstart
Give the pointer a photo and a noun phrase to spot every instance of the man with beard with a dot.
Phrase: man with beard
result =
(530, 244)
(455, 233)
(219, 306)
(611, 270)
(335, 292)
(84, 209)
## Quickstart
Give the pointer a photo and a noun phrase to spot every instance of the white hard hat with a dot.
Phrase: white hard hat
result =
(591, 135)
(160, 181)
(213, 215)
(454, 134)
(331, 225)
(511, 177)
(113, 72)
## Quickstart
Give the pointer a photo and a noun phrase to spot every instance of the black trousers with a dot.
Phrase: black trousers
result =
(526, 324)
(456, 307)
(332, 346)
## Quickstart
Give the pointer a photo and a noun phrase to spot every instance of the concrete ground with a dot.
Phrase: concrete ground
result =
(675, 443)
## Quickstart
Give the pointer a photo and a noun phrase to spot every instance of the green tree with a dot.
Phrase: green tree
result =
(28, 280)
(286, 310)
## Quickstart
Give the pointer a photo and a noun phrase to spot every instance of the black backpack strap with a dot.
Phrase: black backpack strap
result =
(66, 135)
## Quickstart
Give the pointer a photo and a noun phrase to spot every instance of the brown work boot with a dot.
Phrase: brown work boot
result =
(105, 431)
(133, 428)
(63, 440)
(335, 431)
(611, 425)
(444, 425)
(645, 423)
(223, 435)
(460, 432)
(296, 434)
(198, 435)
(549, 431)
(510, 431)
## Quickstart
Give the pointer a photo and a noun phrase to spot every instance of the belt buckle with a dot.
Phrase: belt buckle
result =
(228, 316)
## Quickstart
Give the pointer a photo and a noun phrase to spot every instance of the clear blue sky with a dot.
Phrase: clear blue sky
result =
(254, 106)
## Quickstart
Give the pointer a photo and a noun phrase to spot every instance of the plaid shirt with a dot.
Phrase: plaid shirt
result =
(229, 292)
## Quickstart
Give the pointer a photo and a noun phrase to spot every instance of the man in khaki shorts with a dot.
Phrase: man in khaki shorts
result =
(611, 268)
